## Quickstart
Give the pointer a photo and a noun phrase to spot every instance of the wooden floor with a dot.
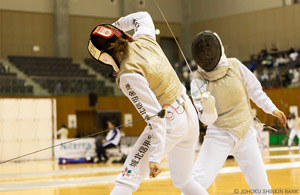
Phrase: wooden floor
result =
(49, 178)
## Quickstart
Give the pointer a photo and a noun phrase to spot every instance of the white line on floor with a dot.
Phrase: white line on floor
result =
(284, 148)
(110, 179)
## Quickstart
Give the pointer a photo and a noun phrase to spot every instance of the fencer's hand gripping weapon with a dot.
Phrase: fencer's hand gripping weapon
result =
(161, 114)
(264, 125)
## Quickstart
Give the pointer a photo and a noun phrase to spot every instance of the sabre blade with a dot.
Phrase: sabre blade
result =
(188, 65)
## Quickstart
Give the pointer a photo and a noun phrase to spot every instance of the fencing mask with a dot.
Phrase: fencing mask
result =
(207, 50)
(99, 44)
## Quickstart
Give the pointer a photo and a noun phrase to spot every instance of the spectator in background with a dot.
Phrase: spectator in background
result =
(286, 78)
(255, 72)
(286, 58)
(262, 56)
(254, 65)
(112, 140)
(276, 77)
(293, 54)
(265, 75)
(265, 58)
(273, 50)
(63, 132)
(7, 69)
(58, 89)
(277, 71)
(2, 69)
(268, 61)
(281, 59)
(295, 73)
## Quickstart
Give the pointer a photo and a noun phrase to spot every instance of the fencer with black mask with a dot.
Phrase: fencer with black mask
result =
(223, 104)
(147, 78)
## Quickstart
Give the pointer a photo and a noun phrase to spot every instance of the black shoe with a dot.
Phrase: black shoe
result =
(105, 160)
(99, 161)
(122, 160)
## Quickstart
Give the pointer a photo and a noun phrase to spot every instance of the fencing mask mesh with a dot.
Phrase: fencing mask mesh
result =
(207, 50)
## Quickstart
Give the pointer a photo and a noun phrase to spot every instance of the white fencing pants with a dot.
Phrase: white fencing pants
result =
(292, 135)
(181, 140)
(214, 152)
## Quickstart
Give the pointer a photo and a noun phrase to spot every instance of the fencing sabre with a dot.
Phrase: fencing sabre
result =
(205, 95)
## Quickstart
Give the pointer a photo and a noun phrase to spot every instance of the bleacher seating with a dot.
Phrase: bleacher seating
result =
(106, 72)
(57, 86)
(45, 66)
(60, 76)
(278, 74)
(10, 85)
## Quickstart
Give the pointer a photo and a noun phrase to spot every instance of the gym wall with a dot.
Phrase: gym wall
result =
(246, 34)
(26, 125)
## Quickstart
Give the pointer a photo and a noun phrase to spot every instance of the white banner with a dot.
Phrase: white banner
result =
(76, 149)
(26, 125)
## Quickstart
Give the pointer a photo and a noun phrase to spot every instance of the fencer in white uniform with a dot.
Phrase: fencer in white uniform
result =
(147, 78)
(294, 125)
(221, 89)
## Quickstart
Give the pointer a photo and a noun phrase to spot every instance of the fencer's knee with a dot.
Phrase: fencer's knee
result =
(203, 182)
(181, 184)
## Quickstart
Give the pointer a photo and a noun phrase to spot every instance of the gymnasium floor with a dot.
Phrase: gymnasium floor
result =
(49, 178)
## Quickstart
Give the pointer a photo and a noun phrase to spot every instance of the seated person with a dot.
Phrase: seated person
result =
(111, 141)
(63, 132)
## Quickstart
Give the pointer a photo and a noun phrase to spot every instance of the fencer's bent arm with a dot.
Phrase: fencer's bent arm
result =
(141, 22)
(136, 88)
(254, 90)
(204, 117)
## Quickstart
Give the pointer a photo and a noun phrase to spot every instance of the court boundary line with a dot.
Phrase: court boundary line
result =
(111, 179)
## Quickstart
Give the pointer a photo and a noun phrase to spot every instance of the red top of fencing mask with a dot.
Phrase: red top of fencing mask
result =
(105, 32)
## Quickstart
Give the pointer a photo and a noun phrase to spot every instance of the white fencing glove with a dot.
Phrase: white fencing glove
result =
(207, 102)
